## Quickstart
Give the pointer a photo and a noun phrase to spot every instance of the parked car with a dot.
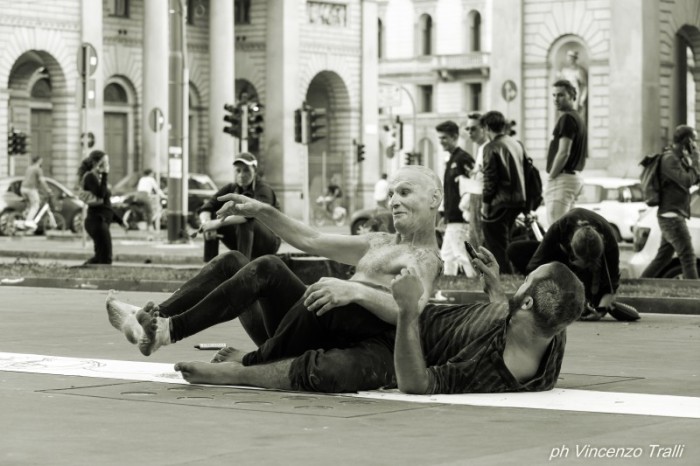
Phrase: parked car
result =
(67, 208)
(200, 188)
(618, 200)
(647, 238)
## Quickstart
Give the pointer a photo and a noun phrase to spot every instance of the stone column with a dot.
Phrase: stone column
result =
(155, 81)
(92, 30)
(222, 88)
(369, 173)
(634, 125)
(283, 167)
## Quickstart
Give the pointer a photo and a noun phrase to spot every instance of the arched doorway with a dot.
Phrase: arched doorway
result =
(569, 59)
(116, 124)
(330, 158)
(427, 151)
(686, 76)
(38, 108)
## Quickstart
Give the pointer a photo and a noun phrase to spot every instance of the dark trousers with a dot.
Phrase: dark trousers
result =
(97, 227)
(497, 232)
(675, 237)
(520, 253)
(252, 239)
(331, 350)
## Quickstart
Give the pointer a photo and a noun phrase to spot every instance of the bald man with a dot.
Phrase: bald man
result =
(315, 338)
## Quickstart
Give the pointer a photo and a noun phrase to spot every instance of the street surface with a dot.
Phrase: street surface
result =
(68, 420)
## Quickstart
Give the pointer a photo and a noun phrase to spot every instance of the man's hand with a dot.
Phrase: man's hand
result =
(406, 288)
(209, 229)
(237, 204)
(328, 293)
(607, 300)
(486, 263)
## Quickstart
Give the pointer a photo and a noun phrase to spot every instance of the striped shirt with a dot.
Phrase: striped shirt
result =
(463, 349)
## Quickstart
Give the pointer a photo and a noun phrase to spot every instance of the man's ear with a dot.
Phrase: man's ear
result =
(436, 200)
(527, 302)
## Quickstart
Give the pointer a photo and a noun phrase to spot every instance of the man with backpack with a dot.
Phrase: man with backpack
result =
(678, 170)
(504, 195)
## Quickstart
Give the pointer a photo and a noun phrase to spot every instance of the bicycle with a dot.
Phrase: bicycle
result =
(14, 221)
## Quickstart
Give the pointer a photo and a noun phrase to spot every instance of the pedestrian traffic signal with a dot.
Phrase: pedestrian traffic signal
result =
(234, 118)
(360, 152)
(316, 123)
(256, 120)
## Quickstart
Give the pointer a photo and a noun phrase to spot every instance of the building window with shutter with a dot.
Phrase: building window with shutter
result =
(426, 98)
(241, 12)
(119, 8)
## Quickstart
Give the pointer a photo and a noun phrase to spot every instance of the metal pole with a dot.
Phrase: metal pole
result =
(176, 223)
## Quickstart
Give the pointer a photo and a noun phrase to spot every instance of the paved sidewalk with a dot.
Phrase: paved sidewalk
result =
(136, 247)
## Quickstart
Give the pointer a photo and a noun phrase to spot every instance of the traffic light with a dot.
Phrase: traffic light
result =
(299, 126)
(510, 128)
(408, 158)
(234, 120)
(256, 120)
(20, 143)
(317, 124)
(360, 152)
(399, 133)
(11, 142)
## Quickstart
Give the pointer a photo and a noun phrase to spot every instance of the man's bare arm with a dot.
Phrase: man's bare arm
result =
(409, 360)
(347, 249)
(560, 159)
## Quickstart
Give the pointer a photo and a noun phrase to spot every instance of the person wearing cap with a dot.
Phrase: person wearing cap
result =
(247, 235)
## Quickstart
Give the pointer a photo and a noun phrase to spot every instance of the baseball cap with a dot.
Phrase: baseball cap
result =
(246, 158)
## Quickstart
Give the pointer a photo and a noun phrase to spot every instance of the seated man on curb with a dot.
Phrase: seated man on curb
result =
(273, 304)
(500, 346)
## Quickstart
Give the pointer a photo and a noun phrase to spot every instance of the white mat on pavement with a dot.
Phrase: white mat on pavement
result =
(557, 399)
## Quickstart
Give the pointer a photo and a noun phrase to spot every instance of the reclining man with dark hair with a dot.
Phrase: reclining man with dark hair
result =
(499, 346)
(332, 329)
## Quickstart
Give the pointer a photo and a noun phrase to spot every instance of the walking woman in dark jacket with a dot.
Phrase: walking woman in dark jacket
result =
(93, 174)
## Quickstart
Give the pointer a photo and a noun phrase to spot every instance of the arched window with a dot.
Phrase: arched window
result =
(474, 31)
(41, 90)
(425, 31)
(380, 38)
(115, 94)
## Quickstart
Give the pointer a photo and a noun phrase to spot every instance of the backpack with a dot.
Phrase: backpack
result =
(651, 179)
(533, 185)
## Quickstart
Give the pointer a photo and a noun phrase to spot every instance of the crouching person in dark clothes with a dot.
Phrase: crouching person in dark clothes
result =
(247, 235)
(333, 336)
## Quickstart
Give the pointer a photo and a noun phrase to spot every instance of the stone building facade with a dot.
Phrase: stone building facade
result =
(280, 53)
(423, 61)
(639, 60)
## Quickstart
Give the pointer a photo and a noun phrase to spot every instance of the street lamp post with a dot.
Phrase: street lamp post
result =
(413, 107)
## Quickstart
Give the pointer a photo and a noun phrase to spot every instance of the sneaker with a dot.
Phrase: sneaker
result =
(624, 312)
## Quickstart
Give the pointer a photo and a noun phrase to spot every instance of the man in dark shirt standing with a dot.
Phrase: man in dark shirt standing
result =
(679, 171)
(459, 165)
(567, 154)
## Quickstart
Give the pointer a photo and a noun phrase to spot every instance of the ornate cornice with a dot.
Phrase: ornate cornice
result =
(315, 47)
(42, 23)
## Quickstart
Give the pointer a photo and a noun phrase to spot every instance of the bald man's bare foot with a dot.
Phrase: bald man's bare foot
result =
(156, 329)
(122, 316)
(229, 354)
(224, 373)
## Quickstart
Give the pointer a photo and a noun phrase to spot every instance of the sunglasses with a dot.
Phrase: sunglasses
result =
(471, 128)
